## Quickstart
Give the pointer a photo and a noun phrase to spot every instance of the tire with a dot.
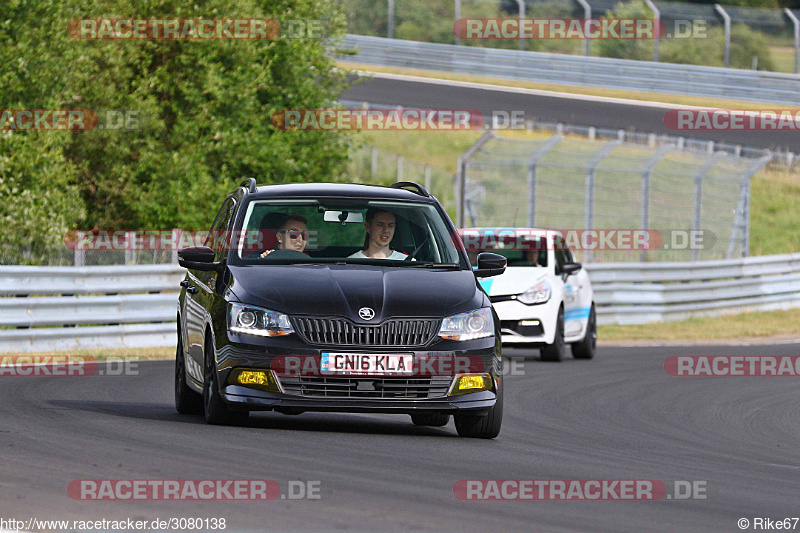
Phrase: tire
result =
(214, 409)
(482, 427)
(586, 348)
(187, 401)
(555, 351)
(430, 419)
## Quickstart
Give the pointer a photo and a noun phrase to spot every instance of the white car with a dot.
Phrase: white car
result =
(544, 299)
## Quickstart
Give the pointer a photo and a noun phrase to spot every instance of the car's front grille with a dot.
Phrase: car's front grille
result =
(342, 332)
(367, 387)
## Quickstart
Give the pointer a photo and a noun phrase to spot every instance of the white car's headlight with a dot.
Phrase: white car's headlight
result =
(253, 320)
(538, 294)
(476, 324)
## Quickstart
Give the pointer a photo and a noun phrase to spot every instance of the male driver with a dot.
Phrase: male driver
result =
(292, 235)
(380, 227)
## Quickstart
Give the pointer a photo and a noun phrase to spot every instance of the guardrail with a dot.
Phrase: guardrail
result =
(605, 72)
(67, 308)
(639, 293)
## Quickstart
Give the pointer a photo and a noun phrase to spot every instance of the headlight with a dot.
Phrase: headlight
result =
(253, 320)
(537, 294)
(476, 324)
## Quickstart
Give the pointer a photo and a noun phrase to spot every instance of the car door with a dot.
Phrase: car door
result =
(199, 293)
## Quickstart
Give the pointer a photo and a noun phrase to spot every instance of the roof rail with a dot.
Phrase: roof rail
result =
(249, 184)
(417, 188)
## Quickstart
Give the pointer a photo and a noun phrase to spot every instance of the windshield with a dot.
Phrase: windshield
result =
(347, 231)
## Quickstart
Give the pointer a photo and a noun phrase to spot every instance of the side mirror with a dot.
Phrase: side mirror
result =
(197, 258)
(490, 264)
(571, 268)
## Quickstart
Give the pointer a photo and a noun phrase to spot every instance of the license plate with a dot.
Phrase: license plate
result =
(367, 364)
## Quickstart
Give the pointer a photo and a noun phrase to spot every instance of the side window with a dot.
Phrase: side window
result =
(223, 235)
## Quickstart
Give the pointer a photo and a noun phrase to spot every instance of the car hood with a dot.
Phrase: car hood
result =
(515, 280)
(341, 290)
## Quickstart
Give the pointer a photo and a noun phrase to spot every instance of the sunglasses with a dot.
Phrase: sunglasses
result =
(295, 233)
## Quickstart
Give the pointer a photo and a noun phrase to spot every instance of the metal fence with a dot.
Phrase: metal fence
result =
(623, 74)
(433, 22)
(369, 164)
(45, 309)
(568, 183)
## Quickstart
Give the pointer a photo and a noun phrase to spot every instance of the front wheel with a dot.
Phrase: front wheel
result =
(187, 401)
(586, 348)
(482, 426)
(214, 409)
(555, 351)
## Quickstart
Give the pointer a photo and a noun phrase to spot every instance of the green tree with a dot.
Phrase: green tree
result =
(204, 107)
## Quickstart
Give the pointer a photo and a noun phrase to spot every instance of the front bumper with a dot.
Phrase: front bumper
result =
(512, 313)
(483, 356)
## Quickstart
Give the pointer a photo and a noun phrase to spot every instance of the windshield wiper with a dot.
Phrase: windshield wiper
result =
(417, 264)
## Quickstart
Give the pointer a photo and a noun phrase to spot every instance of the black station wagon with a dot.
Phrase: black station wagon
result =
(341, 298)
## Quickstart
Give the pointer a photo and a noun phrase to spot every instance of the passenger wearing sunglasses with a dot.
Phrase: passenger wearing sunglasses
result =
(292, 235)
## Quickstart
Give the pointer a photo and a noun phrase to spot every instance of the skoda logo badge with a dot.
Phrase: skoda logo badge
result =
(366, 313)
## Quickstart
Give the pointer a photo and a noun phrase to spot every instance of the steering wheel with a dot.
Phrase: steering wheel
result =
(413, 254)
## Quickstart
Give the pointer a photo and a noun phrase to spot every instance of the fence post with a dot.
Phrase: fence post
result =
(176, 235)
(390, 21)
(461, 176)
(399, 168)
(646, 170)
(428, 178)
(521, 4)
(587, 14)
(657, 21)
(727, 20)
(742, 220)
(457, 9)
(590, 170)
(80, 253)
(698, 195)
(130, 255)
(796, 24)
(532, 175)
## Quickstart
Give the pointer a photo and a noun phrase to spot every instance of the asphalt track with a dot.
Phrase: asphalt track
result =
(619, 416)
(563, 108)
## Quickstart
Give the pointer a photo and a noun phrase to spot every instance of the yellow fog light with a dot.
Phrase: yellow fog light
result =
(472, 383)
(255, 379)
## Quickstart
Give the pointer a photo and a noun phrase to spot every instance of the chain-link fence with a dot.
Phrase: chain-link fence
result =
(369, 164)
(703, 34)
(696, 202)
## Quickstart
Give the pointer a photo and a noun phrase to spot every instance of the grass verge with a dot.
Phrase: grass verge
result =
(755, 326)
(110, 354)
